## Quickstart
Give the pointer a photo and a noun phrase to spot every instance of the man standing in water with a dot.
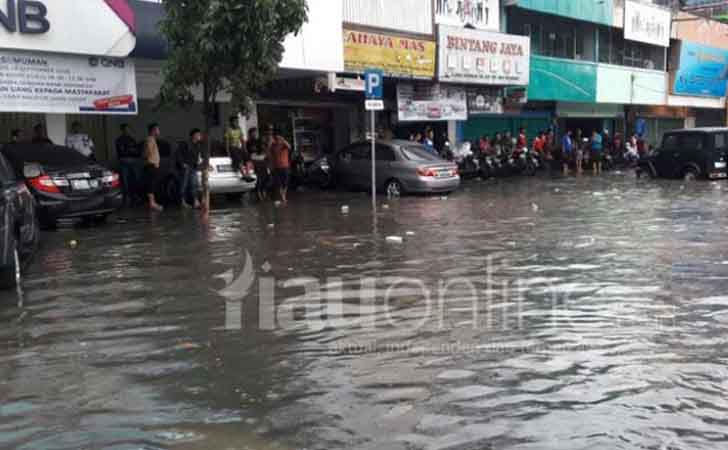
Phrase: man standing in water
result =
(151, 167)
(279, 156)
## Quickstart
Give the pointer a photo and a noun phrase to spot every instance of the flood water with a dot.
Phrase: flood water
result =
(525, 314)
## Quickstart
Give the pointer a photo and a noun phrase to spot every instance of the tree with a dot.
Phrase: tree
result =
(224, 46)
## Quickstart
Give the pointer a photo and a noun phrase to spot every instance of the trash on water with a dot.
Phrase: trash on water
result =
(385, 206)
(395, 239)
(345, 209)
(271, 225)
(557, 190)
(277, 203)
(410, 233)
(73, 243)
(444, 197)
(357, 245)
(535, 207)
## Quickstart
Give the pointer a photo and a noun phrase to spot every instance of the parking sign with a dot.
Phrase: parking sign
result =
(374, 84)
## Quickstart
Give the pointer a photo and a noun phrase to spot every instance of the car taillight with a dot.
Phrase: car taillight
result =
(425, 172)
(111, 179)
(44, 183)
(455, 172)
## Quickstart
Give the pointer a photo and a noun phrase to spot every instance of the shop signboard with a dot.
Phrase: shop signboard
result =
(485, 100)
(398, 57)
(423, 102)
(648, 23)
(46, 83)
(703, 71)
(481, 14)
(88, 27)
(483, 57)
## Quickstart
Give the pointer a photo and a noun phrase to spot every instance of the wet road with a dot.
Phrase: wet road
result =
(526, 314)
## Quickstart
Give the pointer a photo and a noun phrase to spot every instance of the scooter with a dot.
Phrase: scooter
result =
(468, 165)
(314, 173)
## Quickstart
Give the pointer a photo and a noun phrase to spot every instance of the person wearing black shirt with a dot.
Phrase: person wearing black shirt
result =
(129, 155)
(187, 160)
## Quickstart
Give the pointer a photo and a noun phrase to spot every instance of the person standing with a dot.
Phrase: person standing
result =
(257, 154)
(567, 151)
(429, 141)
(151, 167)
(597, 147)
(40, 136)
(522, 141)
(129, 156)
(279, 155)
(234, 143)
(579, 151)
(80, 141)
(188, 161)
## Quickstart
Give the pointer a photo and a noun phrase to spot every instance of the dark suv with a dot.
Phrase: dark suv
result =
(689, 154)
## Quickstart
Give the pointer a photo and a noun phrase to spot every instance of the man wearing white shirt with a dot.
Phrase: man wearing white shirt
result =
(81, 142)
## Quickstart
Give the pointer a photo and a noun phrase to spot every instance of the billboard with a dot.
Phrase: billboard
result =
(423, 102)
(398, 57)
(483, 57)
(63, 84)
(481, 14)
(647, 23)
(703, 71)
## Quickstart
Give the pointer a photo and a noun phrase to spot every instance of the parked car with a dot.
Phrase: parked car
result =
(227, 180)
(19, 229)
(65, 184)
(689, 154)
(402, 167)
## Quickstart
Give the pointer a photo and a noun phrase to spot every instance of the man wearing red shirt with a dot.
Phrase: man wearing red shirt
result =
(279, 155)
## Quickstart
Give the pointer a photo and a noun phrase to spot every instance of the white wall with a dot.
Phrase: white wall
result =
(319, 46)
(414, 16)
(627, 85)
(696, 102)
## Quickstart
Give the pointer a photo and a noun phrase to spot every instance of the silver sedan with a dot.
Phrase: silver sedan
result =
(402, 167)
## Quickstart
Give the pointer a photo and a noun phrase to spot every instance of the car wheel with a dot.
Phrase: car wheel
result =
(393, 189)
(10, 275)
(690, 175)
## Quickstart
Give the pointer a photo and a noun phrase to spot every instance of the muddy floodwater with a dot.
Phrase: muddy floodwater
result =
(531, 314)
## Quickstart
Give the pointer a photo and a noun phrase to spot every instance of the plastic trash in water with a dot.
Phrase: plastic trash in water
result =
(277, 203)
(73, 243)
(395, 239)
(271, 225)
(345, 209)
(535, 207)
(410, 233)
(385, 206)
(444, 197)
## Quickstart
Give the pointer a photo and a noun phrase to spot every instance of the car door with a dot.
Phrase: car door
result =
(692, 152)
(386, 167)
(666, 159)
(361, 166)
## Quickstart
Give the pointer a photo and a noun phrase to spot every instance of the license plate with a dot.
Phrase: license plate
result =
(720, 165)
(80, 185)
(227, 168)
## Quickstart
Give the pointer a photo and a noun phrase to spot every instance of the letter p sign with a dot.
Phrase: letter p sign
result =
(374, 84)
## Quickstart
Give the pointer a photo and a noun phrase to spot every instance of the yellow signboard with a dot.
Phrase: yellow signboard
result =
(396, 56)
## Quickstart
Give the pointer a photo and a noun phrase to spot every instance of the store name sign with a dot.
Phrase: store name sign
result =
(25, 16)
(647, 23)
(483, 57)
(64, 26)
(396, 56)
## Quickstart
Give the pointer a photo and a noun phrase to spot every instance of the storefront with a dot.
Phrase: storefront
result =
(52, 74)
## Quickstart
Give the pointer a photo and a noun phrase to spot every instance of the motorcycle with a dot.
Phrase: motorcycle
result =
(468, 164)
(311, 173)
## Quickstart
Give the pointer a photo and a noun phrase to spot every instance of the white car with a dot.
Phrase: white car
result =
(224, 179)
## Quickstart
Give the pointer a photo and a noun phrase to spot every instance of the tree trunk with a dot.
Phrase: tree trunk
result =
(205, 203)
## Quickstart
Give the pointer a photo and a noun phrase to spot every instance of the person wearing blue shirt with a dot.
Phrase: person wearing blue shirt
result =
(567, 151)
(597, 147)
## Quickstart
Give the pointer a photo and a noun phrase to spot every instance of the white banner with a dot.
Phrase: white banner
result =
(86, 27)
(483, 57)
(482, 14)
(647, 23)
(423, 102)
(44, 83)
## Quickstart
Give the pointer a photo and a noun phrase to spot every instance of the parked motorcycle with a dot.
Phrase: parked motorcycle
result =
(313, 173)
(468, 164)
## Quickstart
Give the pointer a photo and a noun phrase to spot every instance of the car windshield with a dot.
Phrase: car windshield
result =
(415, 153)
(49, 155)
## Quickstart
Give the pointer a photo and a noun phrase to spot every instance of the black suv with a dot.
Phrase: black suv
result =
(689, 154)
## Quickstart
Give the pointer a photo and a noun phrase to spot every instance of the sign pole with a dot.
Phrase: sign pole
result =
(374, 160)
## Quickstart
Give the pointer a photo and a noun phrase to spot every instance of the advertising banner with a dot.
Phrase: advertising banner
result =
(423, 102)
(481, 14)
(398, 57)
(45, 83)
(703, 71)
(88, 27)
(647, 23)
(485, 101)
(483, 57)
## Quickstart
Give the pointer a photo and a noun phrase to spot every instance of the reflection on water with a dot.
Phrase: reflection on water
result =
(533, 314)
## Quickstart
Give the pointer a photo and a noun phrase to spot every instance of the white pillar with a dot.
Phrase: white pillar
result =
(452, 132)
(56, 128)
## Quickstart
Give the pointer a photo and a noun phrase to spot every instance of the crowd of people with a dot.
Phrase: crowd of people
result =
(574, 150)
(269, 157)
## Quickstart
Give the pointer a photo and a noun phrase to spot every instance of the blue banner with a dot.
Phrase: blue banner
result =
(703, 71)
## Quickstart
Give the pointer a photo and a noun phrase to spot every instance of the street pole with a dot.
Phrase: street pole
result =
(374, 161)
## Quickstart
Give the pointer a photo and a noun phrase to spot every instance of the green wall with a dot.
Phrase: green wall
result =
(563, 80)
(597, 11)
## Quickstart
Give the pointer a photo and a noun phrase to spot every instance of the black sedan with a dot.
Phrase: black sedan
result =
(65, 184)
(19, 231)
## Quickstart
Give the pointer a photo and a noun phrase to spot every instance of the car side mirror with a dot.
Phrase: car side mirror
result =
(32, 170)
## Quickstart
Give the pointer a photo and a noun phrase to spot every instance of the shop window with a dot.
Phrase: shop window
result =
(614, 49)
